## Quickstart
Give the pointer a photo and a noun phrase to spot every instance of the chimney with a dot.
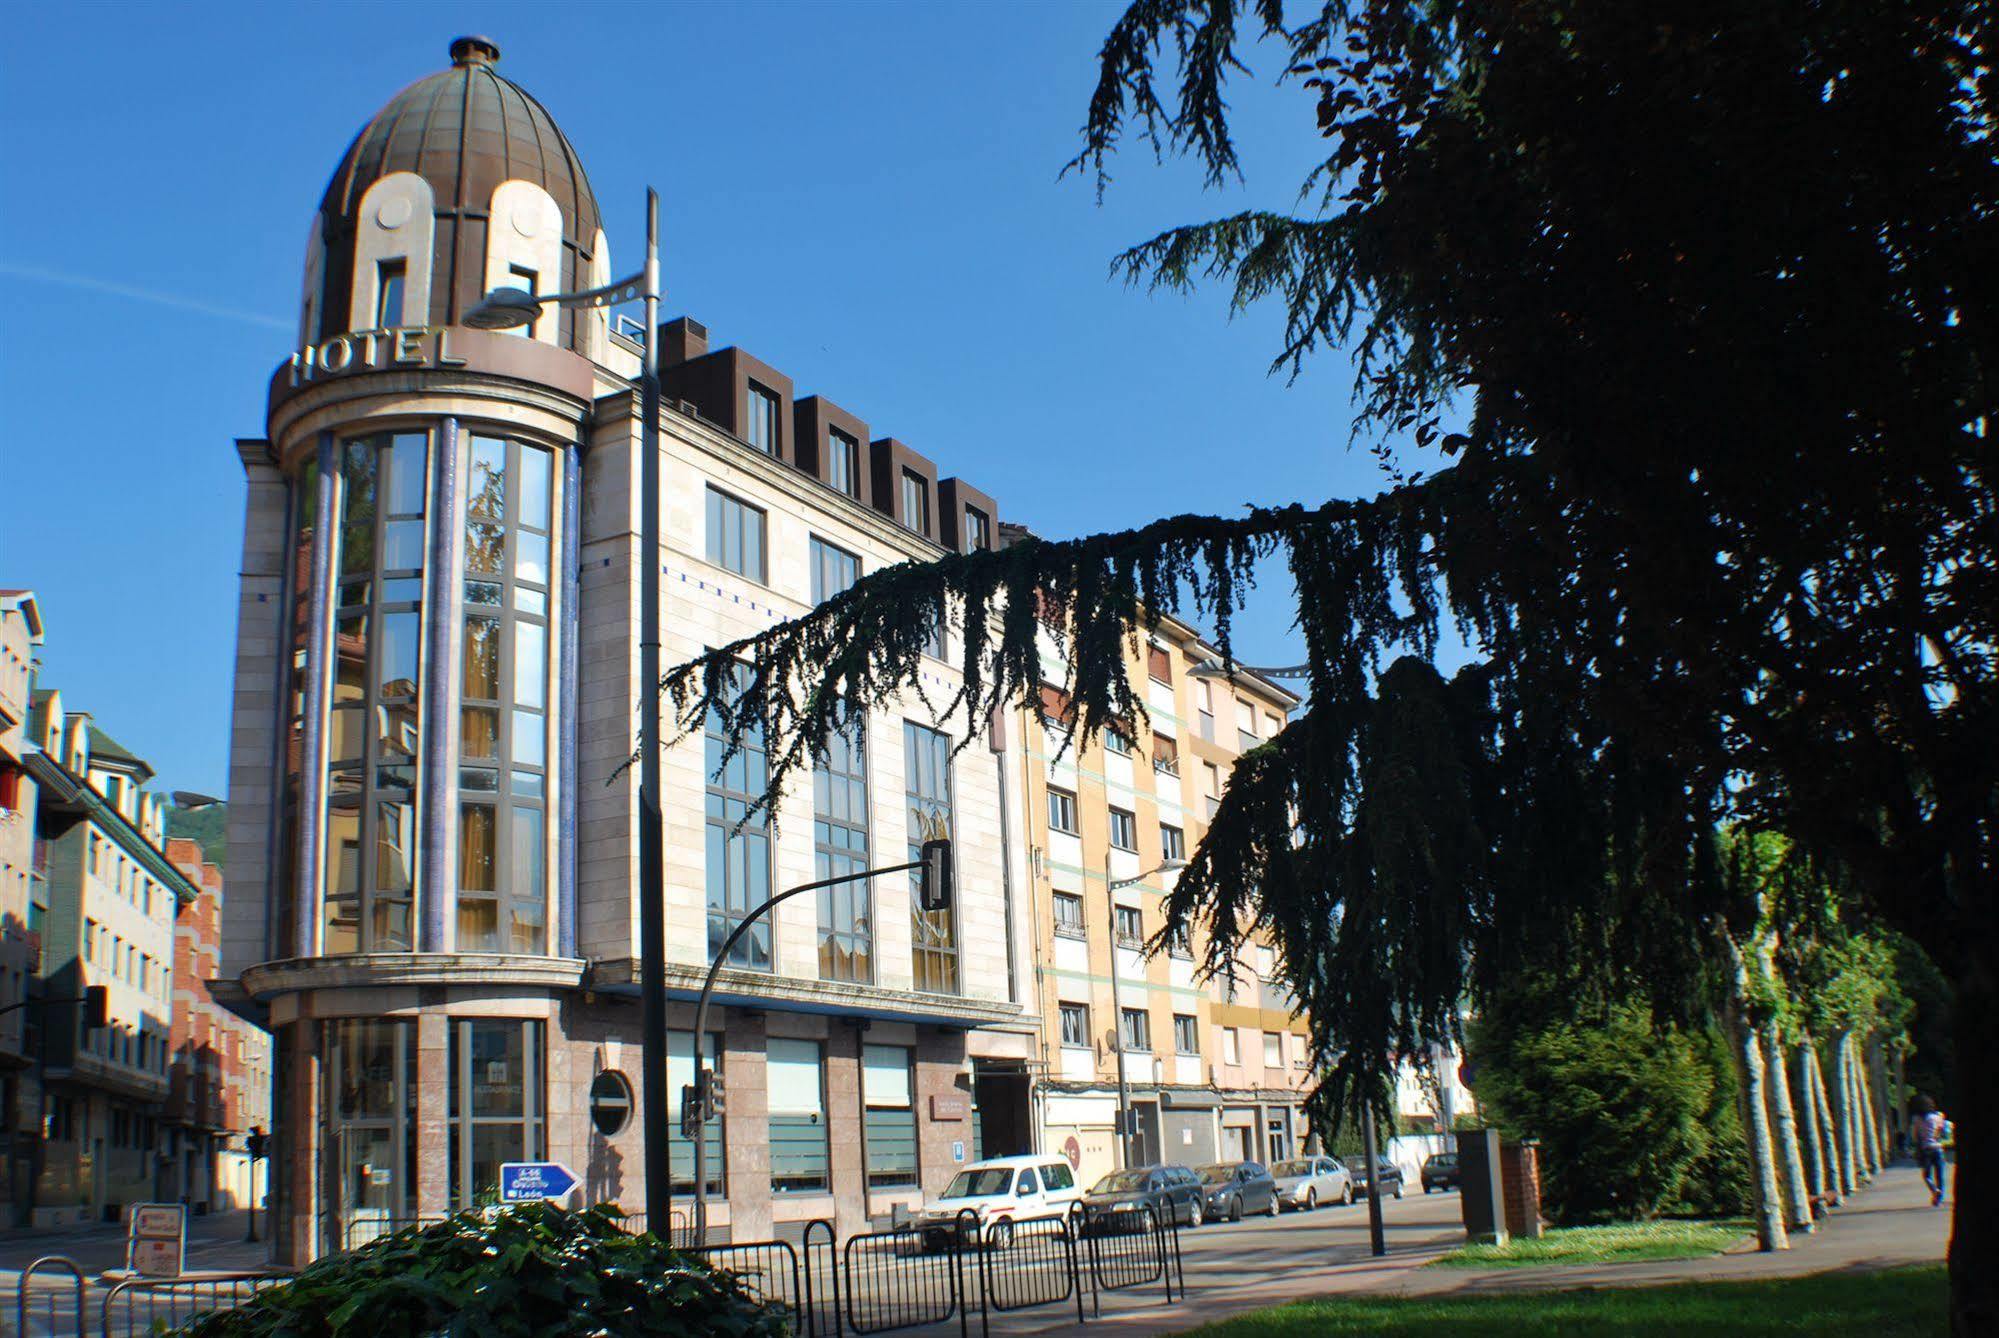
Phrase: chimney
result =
(681, 339)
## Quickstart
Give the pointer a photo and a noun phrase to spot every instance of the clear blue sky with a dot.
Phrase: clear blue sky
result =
(864, 195)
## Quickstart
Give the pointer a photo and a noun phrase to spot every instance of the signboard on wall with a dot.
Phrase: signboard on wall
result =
(156, 1239)
(949, 1106)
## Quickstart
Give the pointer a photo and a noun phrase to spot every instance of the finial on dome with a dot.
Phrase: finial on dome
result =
(475, 51)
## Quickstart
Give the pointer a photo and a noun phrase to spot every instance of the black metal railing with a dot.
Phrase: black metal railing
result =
(769, 1270)
(906, 1278)
(143, 1306)
(1028, 1263)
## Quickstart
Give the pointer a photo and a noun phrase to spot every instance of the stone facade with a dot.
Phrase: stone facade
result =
(23, 896)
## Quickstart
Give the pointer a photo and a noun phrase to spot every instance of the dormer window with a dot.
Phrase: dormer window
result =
(760, 425)
(843, 462)
(915, 501)
(978, 530)
(528, 281)
(389, 276)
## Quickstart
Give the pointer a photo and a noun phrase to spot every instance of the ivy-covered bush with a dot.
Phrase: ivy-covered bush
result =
(532, 1270)
(1635, 1118)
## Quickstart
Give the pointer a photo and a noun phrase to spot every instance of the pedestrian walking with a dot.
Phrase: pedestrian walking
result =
(1932, 1132)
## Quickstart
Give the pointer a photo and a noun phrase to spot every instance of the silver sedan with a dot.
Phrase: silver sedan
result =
(1307, 1182)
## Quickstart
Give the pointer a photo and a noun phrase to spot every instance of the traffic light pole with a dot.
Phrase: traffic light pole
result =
(703, 1082)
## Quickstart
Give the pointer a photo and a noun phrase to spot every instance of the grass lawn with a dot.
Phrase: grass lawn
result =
(1888, 1304)
(1604, 1245)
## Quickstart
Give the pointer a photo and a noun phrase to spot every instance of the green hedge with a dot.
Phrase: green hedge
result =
(532, 1270)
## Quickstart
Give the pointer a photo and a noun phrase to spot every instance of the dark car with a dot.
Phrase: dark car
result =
(1440, 1171)
(1231, 1188)
(1391, 1175)
(1119, 1202)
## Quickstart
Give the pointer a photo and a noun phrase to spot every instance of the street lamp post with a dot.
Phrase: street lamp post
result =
(506, 308)
(1126, 1142)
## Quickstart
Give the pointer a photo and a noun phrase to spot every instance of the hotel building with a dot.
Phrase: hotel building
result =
(432, 861)
(1214, 1070)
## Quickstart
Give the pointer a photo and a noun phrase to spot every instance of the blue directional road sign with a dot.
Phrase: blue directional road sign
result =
(526, 1181)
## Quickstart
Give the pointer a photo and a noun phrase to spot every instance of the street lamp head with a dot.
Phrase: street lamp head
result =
(1212, 667)
(504, 309)
(1171, 866)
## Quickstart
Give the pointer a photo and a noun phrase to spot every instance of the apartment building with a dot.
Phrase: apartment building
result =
(112, 898)
(433, 841)
(1212, 1070)
(219, 1065)
(23, 895)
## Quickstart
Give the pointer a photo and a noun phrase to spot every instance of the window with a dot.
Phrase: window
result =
(840, 845)
(934, 934)
(1272, 726)
(1135, 1028)
(800, 1153)
(735, 535)
(496, 1103)
(978, 530)
(389, 275)
(1165, 755)
(1181, 944)
(1075, 1024)
(1266, 961)
(1204, 698)
(760, 420)
(833, 570)
(1231, 1045)
(1159, 663)
(374, 728)
(1117, 741)
(843, 462)
(1172, 842)
(1297, 1052)
(915, 501)
(1069, 921)
(370, 1104)
(888, 1112)
(1061, 811)
(529, 282)
(1186, 1034)
(1130, 927)
(1124, 830)
(1245, 725)
(1273, 1050)
(504, 696)
(1056, 1175)
(1211, 786)
(738, 851)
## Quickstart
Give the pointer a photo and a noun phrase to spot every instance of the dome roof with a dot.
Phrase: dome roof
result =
(464, 130)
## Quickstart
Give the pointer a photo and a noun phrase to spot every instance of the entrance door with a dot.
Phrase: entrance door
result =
(1145, 1123)
(1235, 1142)
(366, 1161)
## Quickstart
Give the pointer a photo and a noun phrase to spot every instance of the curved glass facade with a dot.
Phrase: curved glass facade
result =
(376, 699)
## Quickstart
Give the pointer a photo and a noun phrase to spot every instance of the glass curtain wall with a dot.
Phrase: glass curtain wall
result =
(497, 1104)
(373, 727)
(503, 700)
(934, 934)
(298, 631)
(840, 846)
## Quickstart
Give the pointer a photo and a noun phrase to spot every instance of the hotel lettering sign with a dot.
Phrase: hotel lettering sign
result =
(375, 351)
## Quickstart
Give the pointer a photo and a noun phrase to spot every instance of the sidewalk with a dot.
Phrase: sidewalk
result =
(1887, 1225)
(214, 1244)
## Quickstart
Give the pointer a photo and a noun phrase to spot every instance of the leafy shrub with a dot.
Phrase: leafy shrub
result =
(1634, 1118)
(532, 1270)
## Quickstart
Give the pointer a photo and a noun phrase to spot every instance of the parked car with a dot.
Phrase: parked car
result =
(1117, 1202)
(1440, 1171)
(999, 1191)
(1231, 1188)
(1307, 1182)
(1391, 1175)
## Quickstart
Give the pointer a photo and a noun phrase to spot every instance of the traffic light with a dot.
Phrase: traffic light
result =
(96, 1007)
(937, 880)
(717, 1095)
(256, 1142)
(690, 1110)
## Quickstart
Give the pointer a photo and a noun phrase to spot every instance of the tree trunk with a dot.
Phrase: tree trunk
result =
(1833, 1092)
(1877, 1122)
(1792, 1157)
(1798, 1078)
(1770, 1234)
(1863, 1154)
(1974, 1241)
(1827, 1150)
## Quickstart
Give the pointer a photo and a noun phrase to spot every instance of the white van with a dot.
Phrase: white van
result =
(1000, 1191)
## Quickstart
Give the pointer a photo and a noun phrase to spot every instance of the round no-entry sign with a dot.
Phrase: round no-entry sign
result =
(1072, 1150)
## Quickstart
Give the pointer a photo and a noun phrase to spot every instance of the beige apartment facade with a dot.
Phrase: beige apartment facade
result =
(23, 894)
(1213, 1070)
(432, 872)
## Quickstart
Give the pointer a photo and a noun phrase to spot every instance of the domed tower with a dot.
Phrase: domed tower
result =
(461, 184)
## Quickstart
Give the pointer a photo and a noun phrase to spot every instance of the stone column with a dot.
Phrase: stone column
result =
(296, 1234)
(846, 1128)
(432, 1195)
(746, 1126)
(943, 1108)
(439, 792)
(568, 629)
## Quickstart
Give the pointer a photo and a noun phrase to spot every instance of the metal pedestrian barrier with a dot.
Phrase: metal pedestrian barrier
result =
(141, 1306)
(51, 1293)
